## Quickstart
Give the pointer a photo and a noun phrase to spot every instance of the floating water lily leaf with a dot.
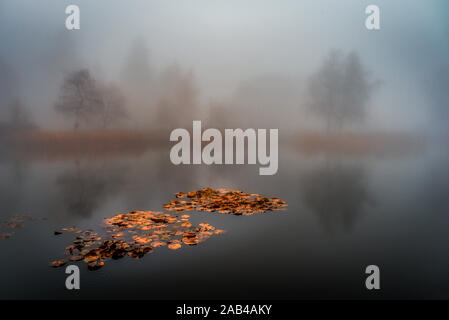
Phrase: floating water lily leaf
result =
(90, 258)
(175, 245)
(72, 229)
(142, 239)
(58, 263)
(95, 265)
(191, 241)
(76, 258)
(156, 244)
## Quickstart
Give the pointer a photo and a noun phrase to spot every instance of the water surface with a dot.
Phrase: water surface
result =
(344, 213)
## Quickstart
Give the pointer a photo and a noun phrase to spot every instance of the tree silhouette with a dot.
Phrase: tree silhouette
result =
(86, 186)
(79, 97)
(84, 100)
(340, 90)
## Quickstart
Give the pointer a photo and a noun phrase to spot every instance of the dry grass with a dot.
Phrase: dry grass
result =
(358, 143)
(59, 145)
(67, 144)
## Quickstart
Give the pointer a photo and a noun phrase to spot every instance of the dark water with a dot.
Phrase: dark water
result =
(344, 213)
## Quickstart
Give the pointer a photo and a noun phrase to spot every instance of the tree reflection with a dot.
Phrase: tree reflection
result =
(85, 186)
(336, 193)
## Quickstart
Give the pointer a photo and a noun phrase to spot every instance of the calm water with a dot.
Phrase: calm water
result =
(345, 212)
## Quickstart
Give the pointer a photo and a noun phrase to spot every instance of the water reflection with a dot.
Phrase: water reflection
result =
(14, 172)
(86, 185)
(336, 192)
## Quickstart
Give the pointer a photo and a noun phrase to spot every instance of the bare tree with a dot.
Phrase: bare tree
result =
(340, 90)
(79, 97)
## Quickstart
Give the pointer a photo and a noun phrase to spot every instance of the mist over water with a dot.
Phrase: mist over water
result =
(253, 57)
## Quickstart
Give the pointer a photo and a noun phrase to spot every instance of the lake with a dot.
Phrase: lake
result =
(344, 212)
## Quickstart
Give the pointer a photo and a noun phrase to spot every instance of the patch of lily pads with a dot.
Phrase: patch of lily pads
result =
(224, 201)
(134, 234)
(15, 222)
(137, 233)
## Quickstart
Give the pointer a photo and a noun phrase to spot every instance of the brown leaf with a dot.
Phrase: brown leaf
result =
(58, 263)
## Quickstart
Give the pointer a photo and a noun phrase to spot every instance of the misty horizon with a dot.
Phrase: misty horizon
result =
(256, 59)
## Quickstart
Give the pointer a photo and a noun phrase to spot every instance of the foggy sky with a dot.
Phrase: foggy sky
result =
(229, 43)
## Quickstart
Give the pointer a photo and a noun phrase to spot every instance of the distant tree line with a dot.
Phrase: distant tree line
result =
(338, 94)
(160, 100)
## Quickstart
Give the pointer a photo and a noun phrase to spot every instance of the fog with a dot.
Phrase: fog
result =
(85, 122)
(249, 62)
